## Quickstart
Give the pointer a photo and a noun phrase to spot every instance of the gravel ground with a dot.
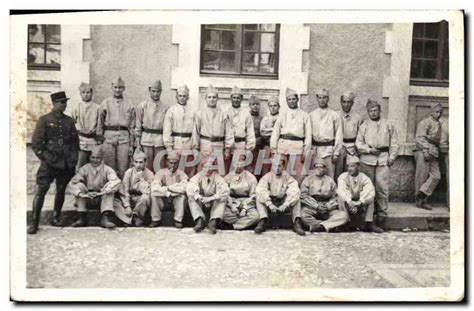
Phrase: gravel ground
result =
(172, 258)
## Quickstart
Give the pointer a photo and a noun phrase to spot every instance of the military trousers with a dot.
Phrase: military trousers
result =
(427, 174)
(341, 163)
(216, 208)
(332, 219)
(295, 209)
(116, 155)
(105, 202)
(364, 214)
(82, 158)
(151, 152)
(178, 205)
(379, 175)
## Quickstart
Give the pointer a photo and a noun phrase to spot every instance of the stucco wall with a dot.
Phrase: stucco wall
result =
(348, 57)
(140, 54)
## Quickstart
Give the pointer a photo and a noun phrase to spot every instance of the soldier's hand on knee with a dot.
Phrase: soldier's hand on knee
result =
(426, 155)
(128, 211)
(243, 212)
(273, 208)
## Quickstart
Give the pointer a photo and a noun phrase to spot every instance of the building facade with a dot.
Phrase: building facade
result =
(402, 65)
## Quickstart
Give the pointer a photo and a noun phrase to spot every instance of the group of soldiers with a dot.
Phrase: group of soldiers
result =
(128, 160)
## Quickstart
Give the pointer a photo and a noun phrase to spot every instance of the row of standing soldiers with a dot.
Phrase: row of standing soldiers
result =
(324, 136)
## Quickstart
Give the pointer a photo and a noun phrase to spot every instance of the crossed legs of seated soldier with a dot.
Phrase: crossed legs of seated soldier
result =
(280, 209)
(197, 208)
(359, 215)
(321, 216)
(240, 214)
(88, 200)
(177, 203)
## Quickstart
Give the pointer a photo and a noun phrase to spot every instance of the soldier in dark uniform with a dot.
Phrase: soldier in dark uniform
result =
(56, 144)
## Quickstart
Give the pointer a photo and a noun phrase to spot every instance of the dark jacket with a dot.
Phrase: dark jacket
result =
(55, 140)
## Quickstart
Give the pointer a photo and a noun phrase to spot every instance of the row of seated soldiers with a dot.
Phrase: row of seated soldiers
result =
(154, 127)
(236, 201)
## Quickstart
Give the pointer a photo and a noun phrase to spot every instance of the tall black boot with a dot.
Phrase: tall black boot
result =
(58, 205)
(38, 202)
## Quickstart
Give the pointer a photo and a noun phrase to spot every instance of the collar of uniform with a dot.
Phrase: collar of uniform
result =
(95, 170)
(255, 113)
(346, 114)
(158, 102)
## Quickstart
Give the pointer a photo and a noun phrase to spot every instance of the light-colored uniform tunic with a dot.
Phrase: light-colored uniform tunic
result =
(350, 126)
(382, 135)
(242, 197)
(166, 181)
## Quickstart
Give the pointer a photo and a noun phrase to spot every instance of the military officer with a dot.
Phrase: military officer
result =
(266, 129)
(117, 125)
(134, 193)
(178, 128)
(327, 131)
(169, 189)
(377, 143)
(427, 176)
(213, 133)
(351, 122)
(95, 184)
(241, 212)
(86, 115)
(55, 142)
(242, 124)
(278, 192)
(207, 190)
(150, 115)
(320, 207)
(356, 195)
(291, 135)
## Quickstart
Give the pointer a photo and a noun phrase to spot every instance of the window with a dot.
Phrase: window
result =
(244, 50)
(44, 47)
(430, 53)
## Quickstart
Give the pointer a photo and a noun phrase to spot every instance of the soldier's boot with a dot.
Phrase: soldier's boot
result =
(81, 220)
(212, 226)
(425, 205)
(58, 205)
(106, 222)
(421, 201)
(199, 226)
(371, 227)
(261, 226)
(298, 227)
(37, 206)
(316, 228)
(154, 224)
(137, 221)
(178, 224)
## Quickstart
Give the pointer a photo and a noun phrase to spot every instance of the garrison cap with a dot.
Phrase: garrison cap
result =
(290, 92)
(172, 156)
(254, 99)
(139, 155)
(97, 151)
(85, 86)
(436, 106)
(211, 90)
(322, 91)
(58, 97)
(349, 95)
(352, 160)
(372, 103)
(236, 90)
(274, 99)
(183, 89)
(156, 85)
(319, 161)
(118, 82)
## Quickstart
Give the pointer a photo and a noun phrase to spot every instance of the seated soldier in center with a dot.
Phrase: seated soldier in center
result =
(356, 194)
(134, 199)
(95, 184)
(207, 191)
(241, 211)
(278, 192)
(169, 190)
(319, 205)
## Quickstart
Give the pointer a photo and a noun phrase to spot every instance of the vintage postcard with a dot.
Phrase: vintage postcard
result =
(237, 156)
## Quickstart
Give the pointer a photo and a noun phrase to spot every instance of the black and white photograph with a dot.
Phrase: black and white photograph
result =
(237, 156)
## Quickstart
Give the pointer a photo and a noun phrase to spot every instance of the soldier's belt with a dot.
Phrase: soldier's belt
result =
(323, 143)
(213, 138)
(383, 149)
(59, 141)
(115, 128)
(175, 134)
(291, 137)
(239, 139)
(238, 196)
(349, 140)
(152, 131)
(87, 135)
(134, 192)
(320, 198)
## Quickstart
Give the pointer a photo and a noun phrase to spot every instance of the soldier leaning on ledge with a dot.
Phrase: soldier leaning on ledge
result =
(56, 144)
